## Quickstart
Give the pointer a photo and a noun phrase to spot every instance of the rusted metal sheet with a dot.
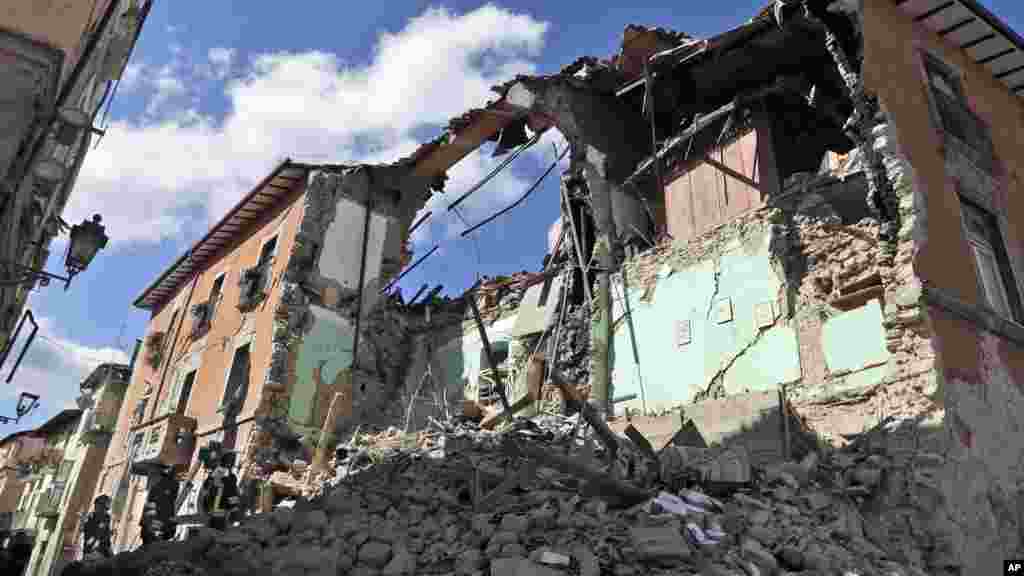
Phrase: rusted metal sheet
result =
(702, 196)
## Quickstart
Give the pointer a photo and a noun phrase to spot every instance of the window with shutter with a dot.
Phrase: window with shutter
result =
(995, 276)
(955, 116)
(237, 380)
(171, 400)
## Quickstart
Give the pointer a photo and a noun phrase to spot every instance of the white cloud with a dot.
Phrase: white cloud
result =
(148, 174)
(166, 85)
(54, 366)
(132, 77)
(221, 60)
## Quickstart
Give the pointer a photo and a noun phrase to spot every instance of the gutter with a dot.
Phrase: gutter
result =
(140, 300)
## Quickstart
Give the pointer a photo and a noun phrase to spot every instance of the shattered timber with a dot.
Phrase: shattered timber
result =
(779, 330)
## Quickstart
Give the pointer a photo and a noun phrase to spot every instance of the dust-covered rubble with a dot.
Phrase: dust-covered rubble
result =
(463, 501)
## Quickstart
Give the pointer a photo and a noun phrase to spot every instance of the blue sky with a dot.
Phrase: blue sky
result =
(216, 93)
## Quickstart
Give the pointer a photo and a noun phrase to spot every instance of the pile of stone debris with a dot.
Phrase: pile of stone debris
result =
(545, 496)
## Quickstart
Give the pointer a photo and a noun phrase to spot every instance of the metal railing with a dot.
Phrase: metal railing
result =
(49, 505)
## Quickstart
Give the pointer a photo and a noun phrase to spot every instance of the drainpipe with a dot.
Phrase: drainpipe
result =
(135, 354)
(173, 343)
(362, 267)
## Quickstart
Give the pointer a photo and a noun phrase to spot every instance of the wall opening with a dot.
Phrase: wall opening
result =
(186, 392)
(268, 250)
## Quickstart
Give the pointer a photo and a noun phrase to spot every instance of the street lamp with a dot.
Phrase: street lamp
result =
(86, 239)
(26, 403)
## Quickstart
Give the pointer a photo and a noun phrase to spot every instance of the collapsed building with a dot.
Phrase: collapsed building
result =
(819, 201)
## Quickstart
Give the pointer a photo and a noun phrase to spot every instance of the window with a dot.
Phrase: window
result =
(995, 277)
(137, 442)
(954, 117)
(186, 392)
(237, 382)
(268, 251)
(216, 293)
(140, 411)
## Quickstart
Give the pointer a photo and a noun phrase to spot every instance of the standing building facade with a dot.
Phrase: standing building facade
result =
(58, 66)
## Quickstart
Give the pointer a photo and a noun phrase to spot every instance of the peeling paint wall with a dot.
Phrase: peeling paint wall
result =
(342, 246)
(975, 496)
(325, 351)
(708, 327)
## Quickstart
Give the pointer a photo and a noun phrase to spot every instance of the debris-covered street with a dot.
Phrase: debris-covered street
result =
(485, 292)
(540, 497)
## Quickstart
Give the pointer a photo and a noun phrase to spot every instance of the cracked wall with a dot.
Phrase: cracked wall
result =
(794, 293)
(707, 320)
(315, 320)
(976, 494)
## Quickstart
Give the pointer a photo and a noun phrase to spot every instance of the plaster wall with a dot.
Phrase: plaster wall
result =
(59, 23)
(342, 248)
(976, 496)
(717, 297)
(325, 351)
(442, 350)
(210, 353)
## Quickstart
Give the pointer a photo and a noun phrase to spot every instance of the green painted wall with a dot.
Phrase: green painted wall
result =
(329, 342)
(672, 371)
(854, 346)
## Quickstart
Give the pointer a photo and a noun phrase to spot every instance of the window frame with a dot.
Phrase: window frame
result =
(227, 375)
(260, 261)
(982, 159)
(189, 386)
(991, 241)
(216, 294)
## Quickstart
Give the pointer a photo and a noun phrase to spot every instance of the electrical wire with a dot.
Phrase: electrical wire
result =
(501, 166)
(521, 199)
(476, 245)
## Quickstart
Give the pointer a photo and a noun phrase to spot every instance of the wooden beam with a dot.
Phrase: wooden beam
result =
(484, 125)
(729, 171)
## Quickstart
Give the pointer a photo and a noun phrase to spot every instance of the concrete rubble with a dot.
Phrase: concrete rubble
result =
(456, 499)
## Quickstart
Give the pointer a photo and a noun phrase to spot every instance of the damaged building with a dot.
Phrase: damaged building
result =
(818, 202)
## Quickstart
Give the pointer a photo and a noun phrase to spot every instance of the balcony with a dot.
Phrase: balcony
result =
(160, 444)
(38, 462)
(49, 505)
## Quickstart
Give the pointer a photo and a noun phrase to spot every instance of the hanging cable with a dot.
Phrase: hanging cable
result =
(501, 166)
(476, 246)
(522, 198)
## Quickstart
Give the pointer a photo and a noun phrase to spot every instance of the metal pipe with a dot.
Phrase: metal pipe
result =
(504, 163)
(520, 200)
(489, 352)
(410, 268)
(10, 341)
(135, 355)
(649, 105)
(577, 247)
(362, 267)
(418, 293)
(24, 349)
(417, 223)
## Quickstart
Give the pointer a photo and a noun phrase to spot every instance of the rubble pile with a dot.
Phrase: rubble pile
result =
(545, 497)
(573, 354)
